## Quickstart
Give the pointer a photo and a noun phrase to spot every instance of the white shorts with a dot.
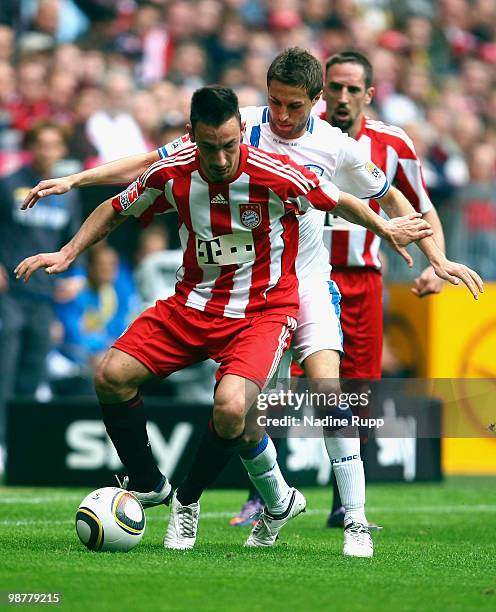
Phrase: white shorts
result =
(318, 326)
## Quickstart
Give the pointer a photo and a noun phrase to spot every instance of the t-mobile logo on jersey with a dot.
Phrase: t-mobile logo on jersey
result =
(208, 251)
(227, 250)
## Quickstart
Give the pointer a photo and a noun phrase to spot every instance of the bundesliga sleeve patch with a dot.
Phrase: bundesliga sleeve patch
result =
(128, 197)
(373, 170)
(177, 144)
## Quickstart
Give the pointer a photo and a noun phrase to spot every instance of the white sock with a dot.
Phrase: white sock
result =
(344, 454)
(263, 470)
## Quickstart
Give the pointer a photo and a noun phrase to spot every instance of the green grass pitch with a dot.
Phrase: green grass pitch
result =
(437, 551)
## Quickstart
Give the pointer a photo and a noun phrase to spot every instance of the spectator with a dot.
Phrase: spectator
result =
(99, 313)
(189, 65)
(26, 309)
(112, 129)
(157, 266)
(31, 103)
(146, 115)
(6, 43)
(61, 96)
(88, 101)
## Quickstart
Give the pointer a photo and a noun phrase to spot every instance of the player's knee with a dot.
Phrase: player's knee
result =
(109, 381)
(326, 386)
(325, 396)
(229, 417)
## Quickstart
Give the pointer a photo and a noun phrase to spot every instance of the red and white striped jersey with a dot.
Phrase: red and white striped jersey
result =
(326, 151)
(393, 151)
(239, 237)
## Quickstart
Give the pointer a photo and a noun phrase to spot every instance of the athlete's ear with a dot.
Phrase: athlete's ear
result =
(317, 97)
(243, 129)
(189, 129)
(369, 95)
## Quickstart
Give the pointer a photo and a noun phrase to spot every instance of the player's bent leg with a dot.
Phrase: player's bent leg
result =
(282, 502)
(259, 456)
(119, 376)
(343, 449)
(254, 505)
(117, 381)
(233, 397)
(249, 352)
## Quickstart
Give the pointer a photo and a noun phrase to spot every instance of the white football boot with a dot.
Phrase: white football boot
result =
(162, 493)
(266, 529)
(183, 525)
(357, 541)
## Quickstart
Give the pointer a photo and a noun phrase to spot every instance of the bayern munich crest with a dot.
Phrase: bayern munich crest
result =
(250, 215)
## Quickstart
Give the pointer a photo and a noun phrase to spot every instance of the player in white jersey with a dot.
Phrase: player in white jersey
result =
(236, 300)
(354, 252)
(295, 83)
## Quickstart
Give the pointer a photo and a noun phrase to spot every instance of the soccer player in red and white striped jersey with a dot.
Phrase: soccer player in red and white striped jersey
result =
(236, 301)
(239, 237)
(354, 251)
(286, 125)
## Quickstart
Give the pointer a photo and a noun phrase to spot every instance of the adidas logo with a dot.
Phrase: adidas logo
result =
(219, 199)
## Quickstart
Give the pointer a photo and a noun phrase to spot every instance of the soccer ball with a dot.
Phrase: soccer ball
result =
(110, 519)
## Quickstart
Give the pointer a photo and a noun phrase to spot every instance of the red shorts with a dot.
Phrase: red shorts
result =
(169, 336)
(361, 321)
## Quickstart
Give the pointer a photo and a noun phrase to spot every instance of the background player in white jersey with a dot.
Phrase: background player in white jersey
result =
(295, 84)
(354, 252)
(236, 300)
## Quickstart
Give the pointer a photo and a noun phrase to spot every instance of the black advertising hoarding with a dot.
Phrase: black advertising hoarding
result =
(64, 443)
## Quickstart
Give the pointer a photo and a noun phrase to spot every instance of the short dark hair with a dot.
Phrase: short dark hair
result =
(32, 135)
(214, 105)
(298, 68)
(353, 57)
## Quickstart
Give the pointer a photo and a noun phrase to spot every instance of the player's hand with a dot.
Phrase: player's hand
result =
(53, 263)
(409, 228)
(403, 230)
(55, 186)
(455, 272)
(427, 283)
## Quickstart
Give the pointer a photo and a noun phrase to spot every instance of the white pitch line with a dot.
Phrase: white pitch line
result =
(38, 500)
(461, 509)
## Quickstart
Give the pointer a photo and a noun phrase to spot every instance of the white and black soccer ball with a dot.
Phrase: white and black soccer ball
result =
(110, 519)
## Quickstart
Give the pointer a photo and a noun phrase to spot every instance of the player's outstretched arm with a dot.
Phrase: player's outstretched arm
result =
(98, 225)
(394, 203)
(428, 282)
(398, 232)
(122, 170)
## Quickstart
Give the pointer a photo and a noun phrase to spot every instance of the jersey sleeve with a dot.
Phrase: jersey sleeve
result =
(306, 190)
(145, 197)
(174, 147)
(409, 178)
(358, 175)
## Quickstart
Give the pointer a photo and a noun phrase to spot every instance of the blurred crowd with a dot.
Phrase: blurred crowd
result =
(108, 78)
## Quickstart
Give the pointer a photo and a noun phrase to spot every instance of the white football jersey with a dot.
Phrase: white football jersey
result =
(326, 151)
